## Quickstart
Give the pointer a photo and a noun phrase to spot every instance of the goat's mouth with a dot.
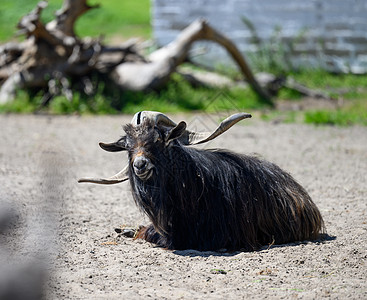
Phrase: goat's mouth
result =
(144, 174)
(142, 167)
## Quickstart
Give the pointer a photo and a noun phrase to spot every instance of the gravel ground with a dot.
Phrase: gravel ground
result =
(65, 231)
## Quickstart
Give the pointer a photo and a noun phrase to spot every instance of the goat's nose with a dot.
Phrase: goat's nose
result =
(140, 163)
(142, 167)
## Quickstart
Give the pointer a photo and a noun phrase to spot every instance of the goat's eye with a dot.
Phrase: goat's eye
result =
(129, 143)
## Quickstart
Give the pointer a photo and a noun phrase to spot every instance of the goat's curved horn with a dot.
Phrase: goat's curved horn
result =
(119, 177)
(189, 137)
(195, 138)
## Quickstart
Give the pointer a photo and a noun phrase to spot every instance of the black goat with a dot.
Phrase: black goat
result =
(210, 199)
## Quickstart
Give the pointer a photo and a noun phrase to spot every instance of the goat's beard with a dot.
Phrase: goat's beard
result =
(149, 195)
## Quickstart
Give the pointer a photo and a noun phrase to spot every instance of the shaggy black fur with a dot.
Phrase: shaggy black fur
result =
(215, 199)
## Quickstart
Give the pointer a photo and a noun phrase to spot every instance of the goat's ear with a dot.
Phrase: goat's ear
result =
(120, 145)
(176, 131)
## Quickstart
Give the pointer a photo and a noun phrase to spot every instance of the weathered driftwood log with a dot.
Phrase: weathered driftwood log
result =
(54, 59)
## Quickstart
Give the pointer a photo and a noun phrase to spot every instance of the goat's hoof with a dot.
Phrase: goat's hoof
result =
(127, 232)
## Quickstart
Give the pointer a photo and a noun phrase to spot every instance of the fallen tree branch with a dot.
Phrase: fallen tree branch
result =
(53, 53)
(67, 16)
(306, 91)
(164, 61)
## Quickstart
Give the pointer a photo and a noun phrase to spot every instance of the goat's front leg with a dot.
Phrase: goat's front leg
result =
(147, 233)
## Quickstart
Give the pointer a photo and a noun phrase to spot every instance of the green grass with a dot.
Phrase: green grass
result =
(346, 85)
(115, 18)
(177, 96)
(354, 113)
(351, 88)
(180, 96)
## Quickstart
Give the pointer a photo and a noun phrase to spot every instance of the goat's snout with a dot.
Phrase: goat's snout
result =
(140, 163)
(142, 167)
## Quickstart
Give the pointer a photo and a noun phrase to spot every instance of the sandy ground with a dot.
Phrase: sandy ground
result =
(69, 227)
